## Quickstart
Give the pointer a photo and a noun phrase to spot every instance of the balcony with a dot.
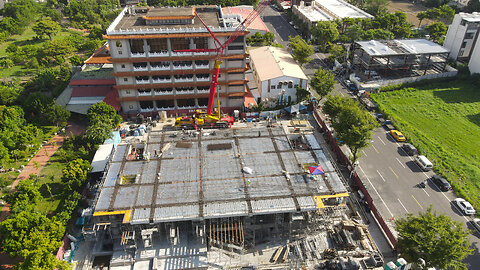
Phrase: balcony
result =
(138, 54)
(182, 53)
(182, 67)
(201, 79)
(158, 54)
(142, 81)
(185, 92)
(140, 68)
(145, 93)
(165, 108)
(185, 107)
(203, 90)
(160, 67)
(201, 53)
(147, 110)
(202, 66)
(161, 80)
(159, 93)
(184, 80)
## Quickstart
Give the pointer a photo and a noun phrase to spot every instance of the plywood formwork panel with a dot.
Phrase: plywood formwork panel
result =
(225, 209)
(272, 206)
(267, 186)
(174, 213)
(263, 164)
(180, 192)
(125, 197)
(223, 190)
(104, 199)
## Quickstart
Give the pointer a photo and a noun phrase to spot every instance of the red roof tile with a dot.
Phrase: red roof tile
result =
(257, 24)
(91, 91)
(249, 99)
(112, 99)
(92, 82)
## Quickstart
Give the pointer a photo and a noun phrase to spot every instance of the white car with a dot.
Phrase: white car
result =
(476, 223)
(465, 206)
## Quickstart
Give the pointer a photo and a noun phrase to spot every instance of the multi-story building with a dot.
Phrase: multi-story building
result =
(152, 75)
(462, 35)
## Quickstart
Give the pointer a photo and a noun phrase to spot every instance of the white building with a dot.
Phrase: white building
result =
(276, 73)
(327, 10)
(462, 37)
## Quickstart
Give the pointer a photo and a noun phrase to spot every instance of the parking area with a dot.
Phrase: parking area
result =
(393, 177)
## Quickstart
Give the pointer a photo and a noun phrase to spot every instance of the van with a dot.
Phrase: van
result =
(424, 163)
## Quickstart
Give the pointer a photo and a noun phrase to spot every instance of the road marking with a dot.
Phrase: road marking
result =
(401, 163)
(381, 176)
(426, 192)
(393, 172)
(381, 140)
(363, 152)
(417, 202)
(403, 206)
(375, 149)
(368, 179)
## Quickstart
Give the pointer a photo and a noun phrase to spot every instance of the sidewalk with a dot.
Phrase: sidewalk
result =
(42, 157)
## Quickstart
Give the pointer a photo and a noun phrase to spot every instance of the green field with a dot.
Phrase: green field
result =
(443, 121)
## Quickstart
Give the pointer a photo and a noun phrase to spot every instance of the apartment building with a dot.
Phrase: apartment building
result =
(462, 35)
(153, 75)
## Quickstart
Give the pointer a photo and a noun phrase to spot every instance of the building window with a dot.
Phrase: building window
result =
(123, 66)
(273, 86)
(119, 52)
(125, 79)
(235, 47)
(118, 43)
(464, 44)
(469, 35)
(136, 46)
(130, 107)
(128, 92)
(279, 85)
(295, 86)
(290, 84)
(201, 43)
(157, 45)
(180, 43)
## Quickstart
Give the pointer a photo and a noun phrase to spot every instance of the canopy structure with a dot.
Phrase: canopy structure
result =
(316, 170)
(295, 108)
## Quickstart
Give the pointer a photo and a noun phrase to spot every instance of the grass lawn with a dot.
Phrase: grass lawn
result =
(443, 121)
(25, 39)
(50, 175)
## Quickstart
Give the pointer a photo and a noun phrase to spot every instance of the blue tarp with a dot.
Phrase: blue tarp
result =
(295, 108)
(115, 139)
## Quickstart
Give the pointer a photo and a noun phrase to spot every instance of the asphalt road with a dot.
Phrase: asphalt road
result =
(277, 23)
(391, 177)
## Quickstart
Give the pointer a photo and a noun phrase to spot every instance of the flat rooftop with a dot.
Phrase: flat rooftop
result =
(470, 17)
(134, 22)
(314, 14)
(342, 9)
(206, 175)
(401, 47)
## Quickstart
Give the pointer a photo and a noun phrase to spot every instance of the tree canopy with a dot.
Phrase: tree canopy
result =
(101, 111)
(325, 32)
(301, 49)
(437, 30)
(437, 239)
(75, 174)
(323, 82)
(25, 197)
(46, 27)
(353, 125)
(34, 237)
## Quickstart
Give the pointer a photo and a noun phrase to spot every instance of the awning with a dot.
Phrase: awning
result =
(101, 157)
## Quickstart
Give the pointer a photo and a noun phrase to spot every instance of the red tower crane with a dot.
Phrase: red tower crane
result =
(219, 50)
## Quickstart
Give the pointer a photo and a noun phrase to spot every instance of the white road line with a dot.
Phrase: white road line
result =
(375, 190)
(363, 152)
(403, 206)
(381, 140)
(401, 163)
(381, 176)
(425, 192)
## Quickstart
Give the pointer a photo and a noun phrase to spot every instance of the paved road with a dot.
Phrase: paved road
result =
(277, 23)
(391, 177)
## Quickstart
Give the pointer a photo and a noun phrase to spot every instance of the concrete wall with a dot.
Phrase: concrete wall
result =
(474, 64)
(267, 91)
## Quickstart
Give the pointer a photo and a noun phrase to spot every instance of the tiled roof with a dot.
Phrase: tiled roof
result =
(257, 24)
(91, 91)
(92, 82)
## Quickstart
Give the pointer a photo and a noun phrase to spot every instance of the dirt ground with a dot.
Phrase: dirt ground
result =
(410, 9)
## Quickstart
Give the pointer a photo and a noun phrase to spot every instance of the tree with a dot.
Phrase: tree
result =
(324, 32)
(437, 239)
(75, 174)
(375, 7)
(437, 30)
(421, 16)
(98, 132)
(353, 125)
(373, 34)
(101, 111)
(34, 237)
(301, 50)
(322, 82)
(25, 197)
(354, 32)
(268, 38)
(337, 52)
(472, 6)
(46, 27)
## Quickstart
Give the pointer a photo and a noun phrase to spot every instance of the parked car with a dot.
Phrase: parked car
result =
(441, 183)
(476, 223)
(397, 135)
(465, 206)
(387, 124)
(423, 162)
(409, 149)
(350, 86)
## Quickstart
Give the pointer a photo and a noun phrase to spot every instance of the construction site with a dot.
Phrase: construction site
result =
(261, 195)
